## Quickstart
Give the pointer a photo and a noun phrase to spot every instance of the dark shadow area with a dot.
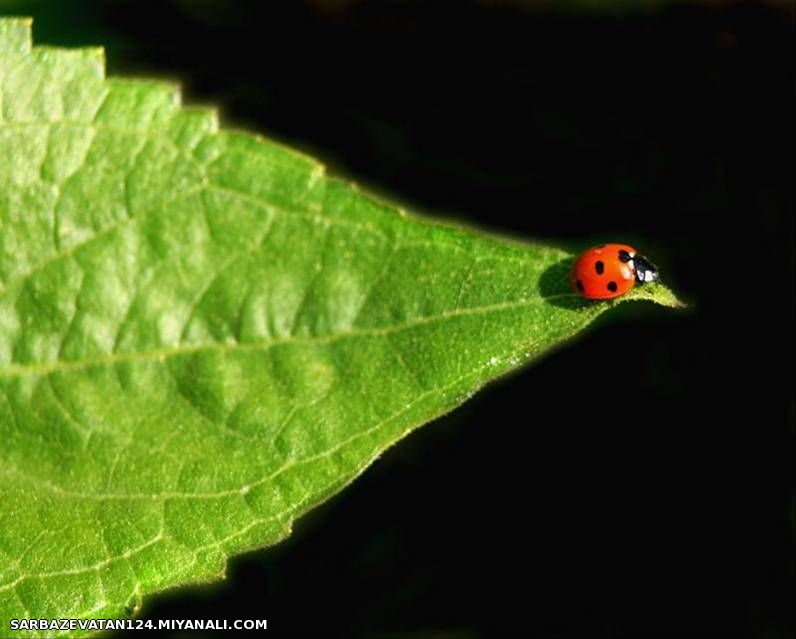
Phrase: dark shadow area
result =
(638, 481)
(555, 287)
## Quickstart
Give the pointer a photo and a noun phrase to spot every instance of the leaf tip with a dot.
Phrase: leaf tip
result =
(659, 294)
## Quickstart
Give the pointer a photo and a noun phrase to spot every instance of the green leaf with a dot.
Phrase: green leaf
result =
(202, 335)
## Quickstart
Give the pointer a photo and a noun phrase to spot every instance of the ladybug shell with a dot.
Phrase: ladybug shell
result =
(600, 274)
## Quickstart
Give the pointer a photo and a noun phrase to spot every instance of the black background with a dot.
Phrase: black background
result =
(640, 480)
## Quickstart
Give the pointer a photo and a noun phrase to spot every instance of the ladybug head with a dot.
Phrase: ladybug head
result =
(645, 270)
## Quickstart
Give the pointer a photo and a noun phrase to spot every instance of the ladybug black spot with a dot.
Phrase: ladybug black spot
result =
(579, 284)
(599, 267)
(624, 256)
(612, 287)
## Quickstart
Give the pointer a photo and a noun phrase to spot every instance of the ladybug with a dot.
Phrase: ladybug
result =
(610, 270)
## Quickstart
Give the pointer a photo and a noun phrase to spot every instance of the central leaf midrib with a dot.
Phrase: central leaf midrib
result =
(111, 359)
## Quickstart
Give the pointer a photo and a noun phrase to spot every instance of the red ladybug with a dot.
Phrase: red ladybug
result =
(610, 270)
